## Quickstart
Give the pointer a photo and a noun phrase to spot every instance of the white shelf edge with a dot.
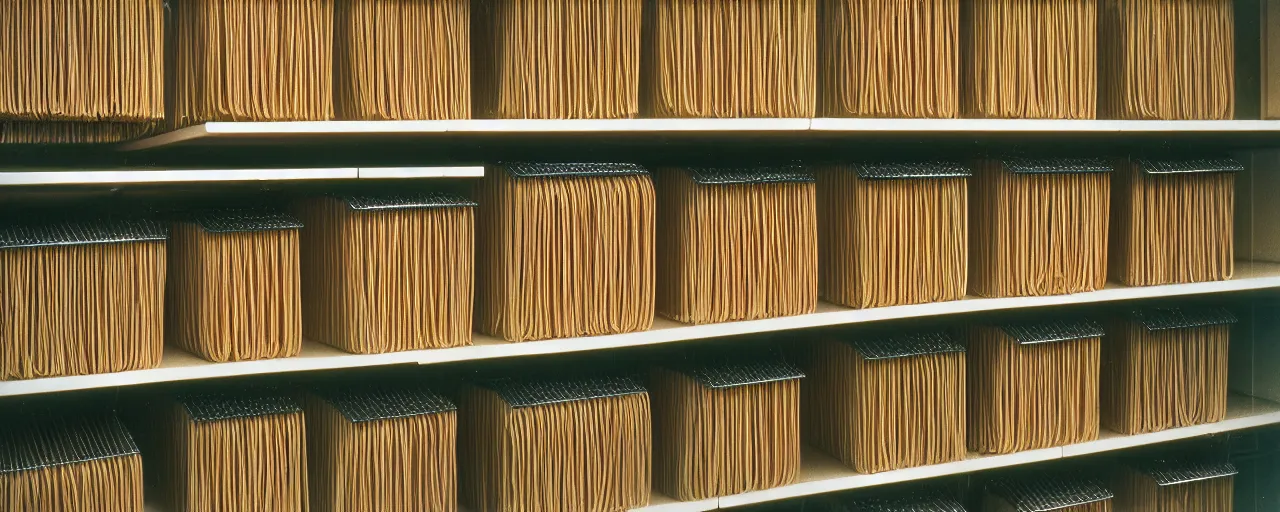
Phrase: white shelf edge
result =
(127, 176)
(215, 130)
(660, 503)
(1268, 415)
(321, 357)
(473, 171)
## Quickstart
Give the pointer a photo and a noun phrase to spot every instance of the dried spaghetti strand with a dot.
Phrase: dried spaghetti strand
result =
(889, 59)
(556, 59)
(402, 60)
(565, 250)
(736, 244)
(891, 235)
(1039, 226)
(1029, 59)
(1174, 222)
(880, 404)
(234, 292)
(80, 70)
(747, 58)
(387, 273)
(232, 60)
(1167, 59)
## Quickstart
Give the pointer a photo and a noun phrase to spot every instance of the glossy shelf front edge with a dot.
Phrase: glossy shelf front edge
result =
(42, 176)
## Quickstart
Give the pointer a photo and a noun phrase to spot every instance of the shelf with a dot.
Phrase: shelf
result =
(178, 365)
(33, 177)
(822, 474)
(657, 503)
(257, 133)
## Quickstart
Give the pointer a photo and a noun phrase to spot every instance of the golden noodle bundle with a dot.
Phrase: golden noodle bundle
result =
(232, 451)
(1039, 226)
(892, 59)
(726, 427)
(1166, 367)
(882, 402)
(572, 444)
(82, 462)
(234, 286)
(1269, 14)
(1029, 59)
(387, 273)
(79, 298)
(893, 234)
(744, 58)
(736, 244)
(80, 70)
(231, 60)
(565, 250)
(1033, 385)
(1175, 486)
(1174, 221)
(381, 448)
(402, 59)
(1047, 493)
(1167, 59)
(556, 59)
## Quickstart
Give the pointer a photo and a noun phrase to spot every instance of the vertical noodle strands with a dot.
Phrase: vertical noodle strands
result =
(1038, 226)
(573, 444)
(81, 297)
(83, 462)
(740, 58)
(880, 403)
(725, 427)
(1166, 367)
(556, 59)
(381, 448)
(81, 70)
(234, 292)
(1174, 222)
(387, 273)
(1033, 385)
(889, 59)
(402, 60)
(565, 250)
(1167, 59)
(736, 243)
(231, 451)
(892, 234)
(231, 60)
(1029, 59)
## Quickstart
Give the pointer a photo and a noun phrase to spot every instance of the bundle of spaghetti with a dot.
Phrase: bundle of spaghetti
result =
(1029, 59)
(231, 450)
(1033, 385)
(736, 243)
(1175, 485)
(1039, 226)
(1167, 59)
(913, 498)
(402, 60)
(1166, 367)
(889, 59)
(234, 292)
(230, 60)
(1047, 492)
(1269, 14)
(387, 272)
(1174, 222)
(556, 59)
(565, 250)
(80, 297)
(381, 447)
(893, 233)
(80, 70)
(571, 443)
(85, 462)
(880, 402)
(745, 58)
(725, 424)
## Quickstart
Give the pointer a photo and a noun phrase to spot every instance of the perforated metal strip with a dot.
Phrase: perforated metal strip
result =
(1053, 331)
(873, 347)
(214, 406)
(408, 201)
(737, 175)
(1195, 165)
(1165, 318)
(61, 441)
(903, 170)
(363, 404)
(242, 221)
(569, 170)
(99, 231)
(1056, 165)
(529, 392)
